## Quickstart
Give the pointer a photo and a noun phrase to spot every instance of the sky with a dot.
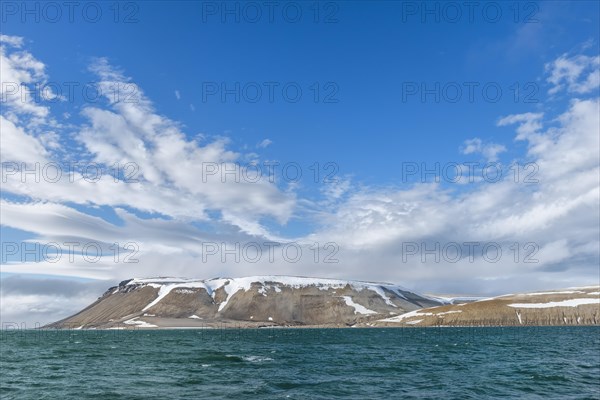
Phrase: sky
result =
(447, 147)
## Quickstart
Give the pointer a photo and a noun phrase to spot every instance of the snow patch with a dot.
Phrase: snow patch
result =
(454, 300)
(411, 314)
(564, 303)
(563, 292)
(449, 312)
(184, 291)
(416, 313)
(165, 289)
(585, 287)
(232, 286)
(274, 282)
(140, 324)
(358, 309)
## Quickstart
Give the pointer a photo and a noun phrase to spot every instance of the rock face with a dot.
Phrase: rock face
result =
(248, 302)
(575, 306)
(296, 301)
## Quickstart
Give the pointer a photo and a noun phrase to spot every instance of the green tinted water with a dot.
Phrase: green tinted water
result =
(436, 363)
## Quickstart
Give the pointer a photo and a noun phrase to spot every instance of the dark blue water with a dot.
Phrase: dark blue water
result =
(434, 363)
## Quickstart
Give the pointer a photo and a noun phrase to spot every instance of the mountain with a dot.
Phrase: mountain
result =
(259, 301)
(247, 302)
(574, 306)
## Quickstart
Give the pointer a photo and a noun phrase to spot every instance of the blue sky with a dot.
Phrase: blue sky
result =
(368, 53)
(370, 62)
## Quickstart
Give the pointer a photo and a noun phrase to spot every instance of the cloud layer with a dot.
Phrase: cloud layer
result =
(165, 201)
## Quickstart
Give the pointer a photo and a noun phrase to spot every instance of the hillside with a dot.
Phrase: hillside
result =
(574, 306)
(248, 302)
(260, 301)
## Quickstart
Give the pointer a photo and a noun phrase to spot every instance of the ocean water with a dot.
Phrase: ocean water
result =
(428, 363)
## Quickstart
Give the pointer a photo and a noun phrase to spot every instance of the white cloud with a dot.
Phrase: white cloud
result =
(369, 224)
(489, 150)
(529, 124)
(34, 310)
(333, 190)
(17, 146)
(171, 169)
(264, 143)
(177, 95)
(14, 41)
(578, 74)
(21, 74)
(559, 214)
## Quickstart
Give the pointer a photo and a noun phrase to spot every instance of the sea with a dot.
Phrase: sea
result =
(280, 363)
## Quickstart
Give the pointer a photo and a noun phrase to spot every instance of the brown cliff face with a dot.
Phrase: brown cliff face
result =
(247, 302)
(576, 306)
(295, 301)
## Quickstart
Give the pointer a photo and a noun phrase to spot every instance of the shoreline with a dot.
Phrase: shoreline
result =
(280, 328)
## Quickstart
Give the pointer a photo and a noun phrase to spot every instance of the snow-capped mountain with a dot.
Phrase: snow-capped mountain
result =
(248, 301)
